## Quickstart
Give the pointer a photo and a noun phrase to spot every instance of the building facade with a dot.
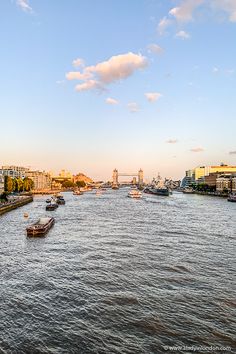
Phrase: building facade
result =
(226, 183)
(14, 171)
(42, 180)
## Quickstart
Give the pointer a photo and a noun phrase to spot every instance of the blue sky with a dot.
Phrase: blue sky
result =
(97, 84)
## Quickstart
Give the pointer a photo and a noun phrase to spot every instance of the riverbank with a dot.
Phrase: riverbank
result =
(14, 204)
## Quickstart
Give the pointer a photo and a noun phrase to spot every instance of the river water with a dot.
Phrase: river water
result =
(117, 275)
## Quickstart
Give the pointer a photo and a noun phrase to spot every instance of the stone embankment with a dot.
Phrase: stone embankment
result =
(15, 203)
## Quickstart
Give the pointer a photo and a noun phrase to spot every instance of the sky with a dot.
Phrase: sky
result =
(93, 85)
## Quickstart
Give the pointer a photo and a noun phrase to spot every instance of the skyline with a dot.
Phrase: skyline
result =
(93, 86)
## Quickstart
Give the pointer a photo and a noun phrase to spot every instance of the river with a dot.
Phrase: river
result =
(118, 275)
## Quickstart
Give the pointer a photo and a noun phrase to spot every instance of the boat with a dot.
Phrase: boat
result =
(157, 187)
(232, 197)
(48, 200)
(60, 200)
(41, 227)
(77, 192)
(135, 193)
(51, 206)
(188, 190)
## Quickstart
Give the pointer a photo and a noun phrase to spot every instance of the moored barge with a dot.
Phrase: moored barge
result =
(40, 228)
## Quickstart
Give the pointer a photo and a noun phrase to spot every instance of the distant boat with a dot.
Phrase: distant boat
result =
(77, 192)
(157, 187)
(48, 200)
(135, 193)
(60, 200)
(51, 206)
(232, 197)
(41, 227)
(188, 190)
(115, 186)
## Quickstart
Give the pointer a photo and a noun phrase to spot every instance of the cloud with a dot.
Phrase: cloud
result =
(182, 35)
(154, 48)
(163, 24)
(133, 107)
(76, 75)
(114, 69)
(111, 101)
(215, 70)
(184, 13)
(78, 62)
(89, 85)
(197, 149)
(232, 152)
(24, 5)
(172, 141)
(228, 6)
(153, 96)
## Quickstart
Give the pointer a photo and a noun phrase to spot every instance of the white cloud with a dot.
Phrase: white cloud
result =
(114, 69)
(163, 24)
(78, 62)
(182, 35)
(24, 5)
(172, 141)
(111, 101)
(155, 48)
(153, 96)
(184, 13)
(228, 6)
(133, 107)
(215, 70)
(118, 67)
(76, 75)
(89, 85)
(197, 149)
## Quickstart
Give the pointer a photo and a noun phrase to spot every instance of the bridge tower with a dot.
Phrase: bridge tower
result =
(140, 177)
(115, 177)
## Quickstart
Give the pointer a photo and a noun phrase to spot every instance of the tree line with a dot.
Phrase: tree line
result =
(17, 184)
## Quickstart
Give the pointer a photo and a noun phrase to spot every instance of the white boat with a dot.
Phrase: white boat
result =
(232, 197)
(134, 193)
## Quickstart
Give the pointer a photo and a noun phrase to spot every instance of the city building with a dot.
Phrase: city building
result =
(1, 184)
(42, 180)
(226, 183)
(199, 174)
(13, 171)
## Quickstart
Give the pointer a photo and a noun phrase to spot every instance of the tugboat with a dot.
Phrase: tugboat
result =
(157, 187)
(232, 197)
(40, 228)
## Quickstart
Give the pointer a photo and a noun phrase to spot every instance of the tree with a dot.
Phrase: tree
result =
(80, 184)
(67, 184)
(28, 184)
(8, 184)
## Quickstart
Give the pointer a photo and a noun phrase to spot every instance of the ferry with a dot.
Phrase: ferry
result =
(135, 193)
(40, 228)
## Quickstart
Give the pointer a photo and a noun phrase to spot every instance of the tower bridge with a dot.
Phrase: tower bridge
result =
(116, 175)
